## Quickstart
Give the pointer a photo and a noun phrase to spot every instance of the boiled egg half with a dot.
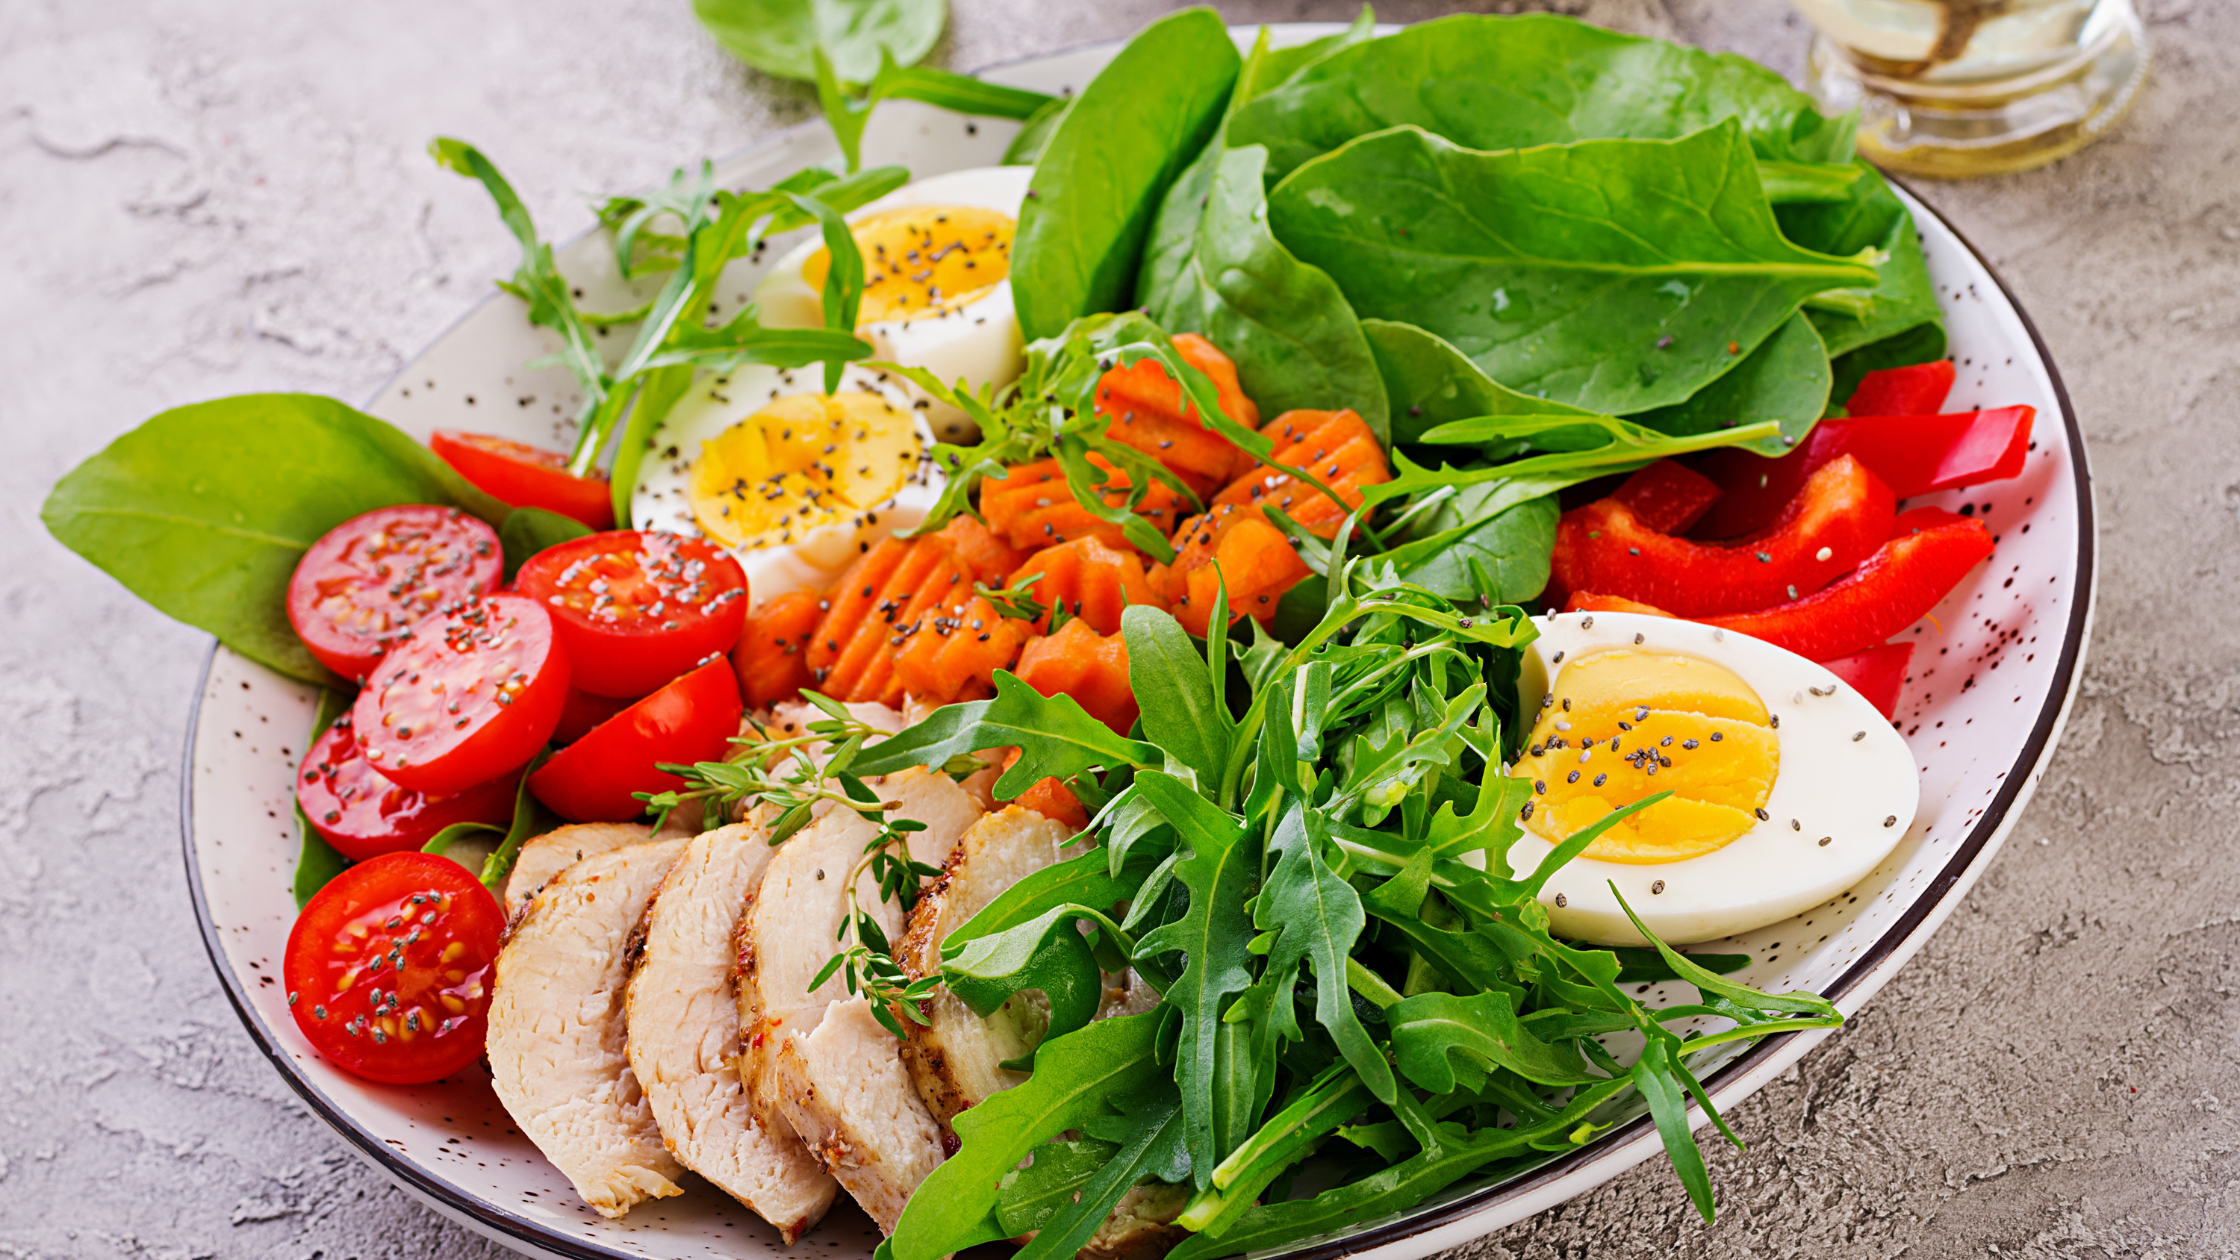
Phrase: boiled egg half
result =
(795, 482)
(1787, 787)
(937, 282)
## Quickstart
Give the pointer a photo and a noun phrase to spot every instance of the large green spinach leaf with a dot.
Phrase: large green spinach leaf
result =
(204, 510)
(781, 37)
(1429, 383)
(1100, 177)
(1872, 217)
(1616, 275)
(1514, 82)
(1785, 380)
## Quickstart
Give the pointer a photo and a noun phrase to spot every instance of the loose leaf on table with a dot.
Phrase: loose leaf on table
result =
(204, 510)
(1100, 178)
(1785, 380)
(1212, 934)
(1168, 674)
(1442, 1039)
(316, 860)
(529, 530)
(1073, 1080)
(1869, 217)
(1518, 82)
(1614, 275)
(1056, 737)
(781, 37)
(1294, 338)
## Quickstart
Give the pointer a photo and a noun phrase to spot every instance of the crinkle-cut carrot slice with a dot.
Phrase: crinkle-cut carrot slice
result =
(772, 658)
(990, 556)
(1089, 580)
(1147, 412)
(1051, 799)
(1255, 560)
(954, 653)
(1090, 667)
(850, 656)
(932, 577)
(1335, 446)
(1032, 507)
(851, 600)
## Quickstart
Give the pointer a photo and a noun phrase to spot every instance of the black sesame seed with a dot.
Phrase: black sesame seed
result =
(1656, 888)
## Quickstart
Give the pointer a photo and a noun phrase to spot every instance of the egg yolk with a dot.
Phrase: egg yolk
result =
(1623, 725)
(801, 463)
(920, 262)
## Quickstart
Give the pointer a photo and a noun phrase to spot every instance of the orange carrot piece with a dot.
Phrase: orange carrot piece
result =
(1090, 667)
(1147, 411)
(772, 657)
(851, 600)
(1335, 446)
(1255, 561)
(1092, 581)
(1031, 506)
(1050, 799)
(866, 659)
(990, 556)
(945, 587)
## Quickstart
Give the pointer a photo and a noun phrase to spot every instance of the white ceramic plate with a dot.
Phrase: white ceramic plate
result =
(1993, 678)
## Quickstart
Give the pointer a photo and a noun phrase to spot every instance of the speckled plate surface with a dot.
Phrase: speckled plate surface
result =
(1997, 666)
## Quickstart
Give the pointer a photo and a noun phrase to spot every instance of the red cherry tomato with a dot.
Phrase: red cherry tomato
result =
(691, 719)
(636, 609)
(375, 576)
(389, 968)
(465, 697)
(584, 711)
(526, 476)
(364, 815)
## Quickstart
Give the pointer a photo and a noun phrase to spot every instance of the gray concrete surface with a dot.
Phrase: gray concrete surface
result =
(200, 197)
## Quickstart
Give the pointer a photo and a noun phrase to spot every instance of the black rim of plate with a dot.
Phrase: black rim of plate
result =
(490, 1218)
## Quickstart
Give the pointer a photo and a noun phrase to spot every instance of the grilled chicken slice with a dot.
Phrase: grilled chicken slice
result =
(684, 1036)
(952, 1059)
(845, 1092)
(545, 856)
(559, 1029)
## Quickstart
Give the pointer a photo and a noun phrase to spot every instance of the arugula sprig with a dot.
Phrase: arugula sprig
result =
(847, 106)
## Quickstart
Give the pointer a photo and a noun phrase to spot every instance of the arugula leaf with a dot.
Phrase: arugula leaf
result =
(1211, 935)
(848, 113)
(1294, 338)
(1317, 917)
(1074, 1077)
(1656, 1076)
(1148, 1140)
(1181, 714)
(1045, 953)
(1056, 737)
(1785, 380)
(1619, 275)
(204, 510)
(1431, 1032)
(316, 860)
(1085, 880)
(1520, 82)
(1333, 1098)
(529, 530)
(1099, 178)
(1030, 1196)
(782, 37)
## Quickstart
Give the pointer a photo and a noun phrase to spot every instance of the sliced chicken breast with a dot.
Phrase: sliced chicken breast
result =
(542, 857)
(844, 1090)
(559, 1033)
(684, 1036)
(953, 1059)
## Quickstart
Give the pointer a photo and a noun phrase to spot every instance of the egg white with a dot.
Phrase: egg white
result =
(979, 342)
(1845, 774)
(663, 499)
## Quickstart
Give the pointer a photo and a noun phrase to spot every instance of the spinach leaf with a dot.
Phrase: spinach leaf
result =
(1046, 953)
(782, 37)
(1074, 1077)
(529, 530)
(1055, 735)
(1428, 383)
(1785, 380)
(1290, 330)
(316, 860)
(1101, 176)
(1517, 82)
(1181, 714)
(204, 510)
(530, 818)
(1504, 556)
(1035, 131)
(1917, 344)
(1869, 217)
(1615, 275)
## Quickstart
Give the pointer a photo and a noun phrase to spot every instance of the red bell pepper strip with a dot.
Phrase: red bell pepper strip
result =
(1667, 496)
(1843, 513)
(1878, 674)
(1919, 390)
(1915, 454)
(1901, 581)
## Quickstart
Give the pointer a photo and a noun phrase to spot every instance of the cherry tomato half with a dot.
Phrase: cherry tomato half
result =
(375, 576)
(389, 968)
(584, 711)
(526, 476)
(691, 719)
(364, 815)
(465, 697)
(636, 609)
